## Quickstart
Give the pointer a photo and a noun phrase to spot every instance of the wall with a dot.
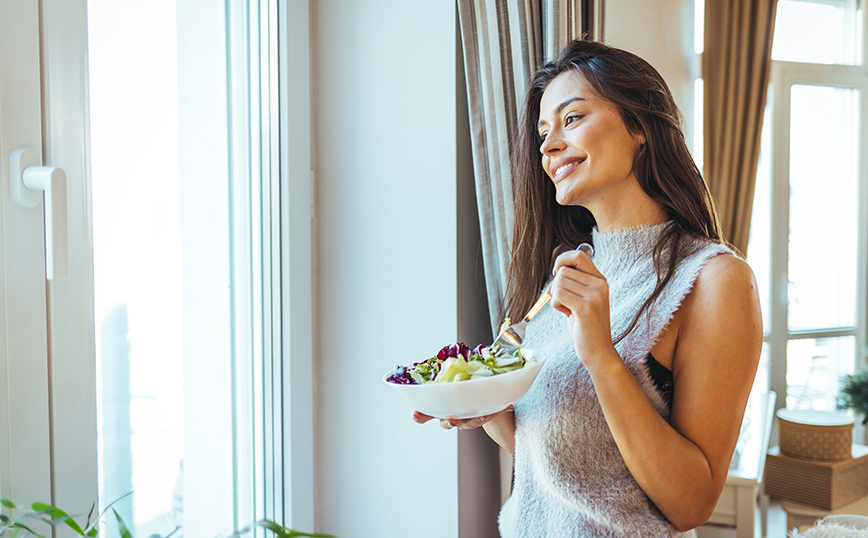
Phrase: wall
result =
(661, 32)
(384, 87)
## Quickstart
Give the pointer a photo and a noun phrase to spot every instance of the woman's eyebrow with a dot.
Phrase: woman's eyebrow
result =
(561, 107)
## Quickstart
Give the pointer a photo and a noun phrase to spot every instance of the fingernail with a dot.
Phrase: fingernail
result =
(586, 248)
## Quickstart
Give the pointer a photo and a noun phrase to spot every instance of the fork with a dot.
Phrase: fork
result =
(511, 338)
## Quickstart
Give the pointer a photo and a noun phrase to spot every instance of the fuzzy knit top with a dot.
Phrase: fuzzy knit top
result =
(570, 479)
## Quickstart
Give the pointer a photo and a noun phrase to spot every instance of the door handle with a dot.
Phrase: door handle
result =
(31, 183)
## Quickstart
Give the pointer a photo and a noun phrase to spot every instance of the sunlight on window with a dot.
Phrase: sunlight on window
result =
(760, 243)
(824, 143)
(171, 282)
(814, 368)
(698, 122)
(824, 32)
(137, 257)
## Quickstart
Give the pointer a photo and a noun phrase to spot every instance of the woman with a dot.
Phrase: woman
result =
(652, 343)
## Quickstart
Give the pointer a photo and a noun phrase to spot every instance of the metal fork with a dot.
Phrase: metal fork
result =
(511, 338)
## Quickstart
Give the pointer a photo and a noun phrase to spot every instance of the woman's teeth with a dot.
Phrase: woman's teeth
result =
(564, 167)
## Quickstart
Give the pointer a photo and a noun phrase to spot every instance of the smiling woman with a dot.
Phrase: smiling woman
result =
(587, 150)
(631, 424)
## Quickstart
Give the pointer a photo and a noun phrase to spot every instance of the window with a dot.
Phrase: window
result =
(190, 259)
(808, 231)
(184, 235)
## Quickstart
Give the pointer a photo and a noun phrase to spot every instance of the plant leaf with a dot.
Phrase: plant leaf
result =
(59, 515)
(90, 528)
(283, 532)
(7, 503)
(19, 526)
(122, 527)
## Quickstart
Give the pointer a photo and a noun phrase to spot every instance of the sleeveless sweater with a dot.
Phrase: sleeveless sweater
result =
(570, 478)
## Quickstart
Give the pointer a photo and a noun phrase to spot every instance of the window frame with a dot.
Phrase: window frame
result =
(786, 74)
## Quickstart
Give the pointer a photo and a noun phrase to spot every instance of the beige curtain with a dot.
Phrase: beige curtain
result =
(504, 41)
(736, 67)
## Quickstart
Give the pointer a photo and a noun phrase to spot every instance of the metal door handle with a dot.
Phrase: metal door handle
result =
(31, 183)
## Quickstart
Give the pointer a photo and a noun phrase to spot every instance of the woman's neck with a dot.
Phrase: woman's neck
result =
(629, 208)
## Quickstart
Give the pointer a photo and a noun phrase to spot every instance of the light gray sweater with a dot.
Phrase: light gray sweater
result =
(570, 479)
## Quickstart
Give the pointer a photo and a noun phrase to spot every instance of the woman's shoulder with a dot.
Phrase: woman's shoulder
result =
(725, 269)
(724, 283)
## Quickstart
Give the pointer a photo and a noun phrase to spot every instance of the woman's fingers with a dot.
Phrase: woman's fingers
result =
(575, 289)
(421, 418)
(464, 424)
(461, 424)
(576, 259)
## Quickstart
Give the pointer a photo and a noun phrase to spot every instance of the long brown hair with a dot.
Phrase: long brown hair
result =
(662, 165)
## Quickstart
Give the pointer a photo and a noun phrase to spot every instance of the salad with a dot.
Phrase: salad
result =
(457, 362)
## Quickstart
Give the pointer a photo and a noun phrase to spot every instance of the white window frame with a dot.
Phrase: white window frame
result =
(297, 202)
(785, 74)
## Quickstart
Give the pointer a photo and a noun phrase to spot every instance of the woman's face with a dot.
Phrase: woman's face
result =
(587, 150)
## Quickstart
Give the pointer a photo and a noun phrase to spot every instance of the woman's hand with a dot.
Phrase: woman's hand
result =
(461, 424)
(499, 426)
(581, 292)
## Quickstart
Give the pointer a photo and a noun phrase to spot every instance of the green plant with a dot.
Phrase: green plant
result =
(24, 522)
(854, 393)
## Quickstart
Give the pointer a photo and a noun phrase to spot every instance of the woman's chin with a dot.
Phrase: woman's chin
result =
(565, 199)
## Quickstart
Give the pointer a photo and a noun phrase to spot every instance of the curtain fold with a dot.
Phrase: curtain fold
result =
(736, 67)
(504, 41)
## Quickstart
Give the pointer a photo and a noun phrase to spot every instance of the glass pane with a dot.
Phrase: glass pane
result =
(166, 214)
(759, 246)
(761, 382)
(814, 371)
(824, 145)
(818, 31)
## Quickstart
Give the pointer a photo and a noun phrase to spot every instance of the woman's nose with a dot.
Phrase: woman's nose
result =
(552, 143)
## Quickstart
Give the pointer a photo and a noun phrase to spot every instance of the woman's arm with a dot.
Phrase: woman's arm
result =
(681, 466)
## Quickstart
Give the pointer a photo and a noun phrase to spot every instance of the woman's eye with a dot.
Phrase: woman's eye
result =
(571, 118)
(542, 137)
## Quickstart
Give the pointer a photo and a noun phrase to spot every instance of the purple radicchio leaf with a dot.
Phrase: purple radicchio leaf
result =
(401, 376)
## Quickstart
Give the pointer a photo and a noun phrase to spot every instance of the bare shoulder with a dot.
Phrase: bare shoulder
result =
(729, 269)
(725, 281)
(725, 288)
(721, 314)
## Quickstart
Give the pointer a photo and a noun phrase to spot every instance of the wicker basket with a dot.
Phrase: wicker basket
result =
(815, 435)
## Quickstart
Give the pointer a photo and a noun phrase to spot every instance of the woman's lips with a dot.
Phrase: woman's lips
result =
(565, 168)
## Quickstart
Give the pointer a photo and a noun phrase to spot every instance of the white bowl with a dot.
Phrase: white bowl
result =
(473, 397)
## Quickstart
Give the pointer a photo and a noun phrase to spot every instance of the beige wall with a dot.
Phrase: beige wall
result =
(385, 260)
(661, 32)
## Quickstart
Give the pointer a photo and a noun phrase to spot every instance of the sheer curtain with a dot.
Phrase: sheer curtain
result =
(736, 67)
(504, 41)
